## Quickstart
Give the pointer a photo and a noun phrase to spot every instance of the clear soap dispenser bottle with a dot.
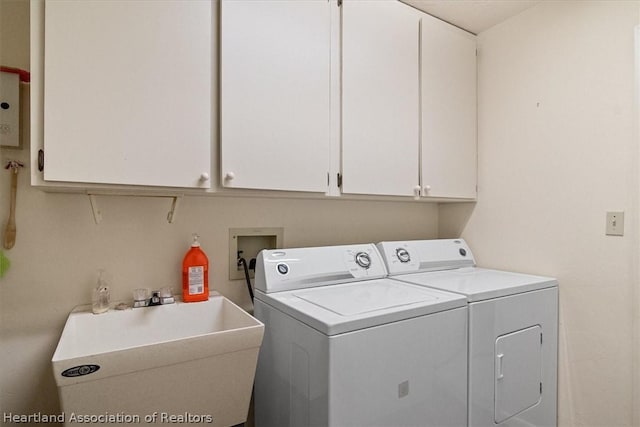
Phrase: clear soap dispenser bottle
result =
(101, 297)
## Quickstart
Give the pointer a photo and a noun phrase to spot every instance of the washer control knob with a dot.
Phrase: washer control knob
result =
(363, 259)
(463, 251)
(403, 255)
(282, 268)
(229, 176)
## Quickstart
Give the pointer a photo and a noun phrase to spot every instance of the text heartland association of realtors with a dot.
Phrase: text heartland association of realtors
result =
(108, 418)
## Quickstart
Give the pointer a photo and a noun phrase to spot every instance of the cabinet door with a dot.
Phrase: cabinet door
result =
(275, 82)
(448, 69)
(127, 92)
(380, 97)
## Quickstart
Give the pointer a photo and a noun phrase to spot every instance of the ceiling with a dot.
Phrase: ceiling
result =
(472, 15)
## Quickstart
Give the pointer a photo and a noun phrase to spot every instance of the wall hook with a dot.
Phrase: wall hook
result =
(97, 215)
(171, 216)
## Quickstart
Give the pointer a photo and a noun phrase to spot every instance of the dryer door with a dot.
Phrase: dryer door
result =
(518, 372)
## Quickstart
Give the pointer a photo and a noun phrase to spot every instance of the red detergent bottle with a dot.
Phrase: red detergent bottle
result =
(195, 274)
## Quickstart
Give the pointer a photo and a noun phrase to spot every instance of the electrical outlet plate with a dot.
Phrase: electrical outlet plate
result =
(615, 224)
(250, 241)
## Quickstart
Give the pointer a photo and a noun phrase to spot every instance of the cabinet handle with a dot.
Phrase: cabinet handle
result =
(204, 176)
(426, 189)
(416, 192)
(229, 176)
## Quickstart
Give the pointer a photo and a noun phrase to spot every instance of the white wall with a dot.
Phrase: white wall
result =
(59, 248)
(557, 149)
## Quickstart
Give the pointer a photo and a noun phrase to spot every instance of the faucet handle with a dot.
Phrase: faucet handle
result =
(166, 296)
(140, 297)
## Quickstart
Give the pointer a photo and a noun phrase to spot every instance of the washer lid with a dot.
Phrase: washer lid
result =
(337, 309)
(353, 300)
(479, 284)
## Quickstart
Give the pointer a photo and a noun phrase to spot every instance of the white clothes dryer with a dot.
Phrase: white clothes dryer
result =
(345, 346)
(513, 330)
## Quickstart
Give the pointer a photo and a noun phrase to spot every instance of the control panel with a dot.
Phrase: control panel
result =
(425, 255)
(298, 268)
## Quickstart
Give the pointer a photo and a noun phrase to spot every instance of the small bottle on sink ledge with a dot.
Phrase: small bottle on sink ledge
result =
(195, 274)
(101, 297)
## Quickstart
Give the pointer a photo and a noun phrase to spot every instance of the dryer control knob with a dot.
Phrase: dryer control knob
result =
(229, 176)
(363, 260)
(403, 255)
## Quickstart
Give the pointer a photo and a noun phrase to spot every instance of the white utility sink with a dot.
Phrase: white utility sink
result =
(190, 361)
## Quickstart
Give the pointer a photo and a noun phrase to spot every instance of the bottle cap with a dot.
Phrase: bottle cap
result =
(196, 243)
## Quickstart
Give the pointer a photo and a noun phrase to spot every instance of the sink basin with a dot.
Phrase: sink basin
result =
(190, 361)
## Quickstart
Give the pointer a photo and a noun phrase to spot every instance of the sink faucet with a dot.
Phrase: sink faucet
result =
(161, 297)
(155, 298)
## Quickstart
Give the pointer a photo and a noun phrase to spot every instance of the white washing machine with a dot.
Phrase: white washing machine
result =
(345, 346)
(513, 329)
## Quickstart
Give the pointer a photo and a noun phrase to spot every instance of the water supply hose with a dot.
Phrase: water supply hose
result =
(243, 263)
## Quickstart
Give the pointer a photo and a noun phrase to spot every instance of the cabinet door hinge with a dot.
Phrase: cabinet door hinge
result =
(339, 180)
(328, 179)
(40, 160)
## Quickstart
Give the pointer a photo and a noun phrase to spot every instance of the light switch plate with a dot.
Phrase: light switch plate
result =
(615, 224)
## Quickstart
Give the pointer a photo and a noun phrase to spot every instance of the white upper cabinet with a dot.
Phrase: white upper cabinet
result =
(310, 91)
(128, 92)
(380, 97)
(448, 76)
(275, 94)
